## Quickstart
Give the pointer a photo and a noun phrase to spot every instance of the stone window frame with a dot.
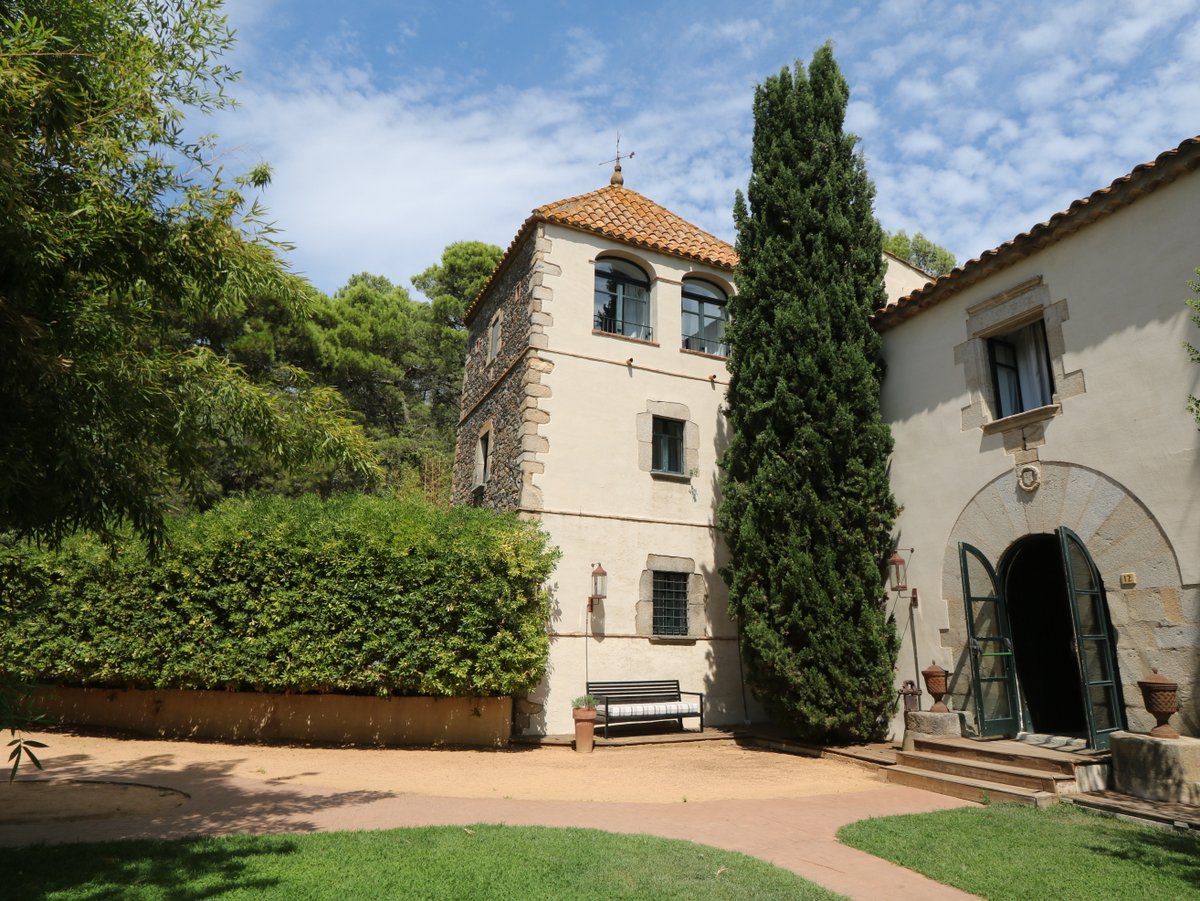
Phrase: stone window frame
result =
(999, 315)
(645, 438)
(485, 455)
(697, 599)
(495, 336)
(675, 446)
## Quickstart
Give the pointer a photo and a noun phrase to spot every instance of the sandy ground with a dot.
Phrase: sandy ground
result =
(778, 807)
(697, 771)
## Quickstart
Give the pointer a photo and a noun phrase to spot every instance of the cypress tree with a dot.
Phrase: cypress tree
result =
(806, 507)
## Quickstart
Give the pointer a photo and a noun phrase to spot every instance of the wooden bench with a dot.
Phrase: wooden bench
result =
(643, 702)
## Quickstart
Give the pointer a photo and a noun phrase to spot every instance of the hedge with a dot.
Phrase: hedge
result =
(356, 594)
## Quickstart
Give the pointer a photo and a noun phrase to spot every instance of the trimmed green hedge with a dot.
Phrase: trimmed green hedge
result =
(356, 594)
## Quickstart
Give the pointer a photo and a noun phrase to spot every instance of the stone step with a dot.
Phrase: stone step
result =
(1005, 754)
(1004, 774)
(980, 790)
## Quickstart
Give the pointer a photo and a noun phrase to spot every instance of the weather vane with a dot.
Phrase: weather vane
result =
(617, 177)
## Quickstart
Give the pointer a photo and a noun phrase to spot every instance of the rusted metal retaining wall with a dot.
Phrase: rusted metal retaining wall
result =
(252, 716)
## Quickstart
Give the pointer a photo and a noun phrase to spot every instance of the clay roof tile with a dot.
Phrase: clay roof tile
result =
(624, 215)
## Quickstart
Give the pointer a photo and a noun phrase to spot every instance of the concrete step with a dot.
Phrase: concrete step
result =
(1020, 776)
(981, 790)
(1006, 753)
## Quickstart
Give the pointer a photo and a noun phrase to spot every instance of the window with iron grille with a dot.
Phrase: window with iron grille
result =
(670, 603)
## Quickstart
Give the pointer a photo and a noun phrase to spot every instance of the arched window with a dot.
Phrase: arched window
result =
(622, 303)
(704, 317)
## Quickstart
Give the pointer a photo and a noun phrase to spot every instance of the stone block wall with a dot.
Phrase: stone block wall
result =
(502, 395)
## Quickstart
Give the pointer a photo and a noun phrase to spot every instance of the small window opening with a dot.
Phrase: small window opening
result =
(494, 334)
(667, 438)
(483, 459)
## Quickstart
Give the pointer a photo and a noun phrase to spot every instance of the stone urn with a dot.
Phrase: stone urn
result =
(1161, 698)
(935, 684)
(585, 728)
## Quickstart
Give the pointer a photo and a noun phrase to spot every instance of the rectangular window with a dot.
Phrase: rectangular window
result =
(667, 437)
(494, 337)
(1021, 370)
(704, 317)
(670, 603)
(483, 458)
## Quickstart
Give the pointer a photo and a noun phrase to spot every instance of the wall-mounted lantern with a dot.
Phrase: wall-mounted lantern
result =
(897, 567)
(599, 586)
(898, 570)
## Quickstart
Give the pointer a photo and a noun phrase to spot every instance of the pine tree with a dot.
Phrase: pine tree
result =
(806, 508)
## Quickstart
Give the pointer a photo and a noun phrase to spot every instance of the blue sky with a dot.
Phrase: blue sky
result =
(395, 128)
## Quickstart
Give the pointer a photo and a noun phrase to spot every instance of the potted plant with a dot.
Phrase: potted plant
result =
(583, 709)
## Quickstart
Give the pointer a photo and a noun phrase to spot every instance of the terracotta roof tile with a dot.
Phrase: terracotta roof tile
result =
(617, 212)
(1144, 179)
(624, 215)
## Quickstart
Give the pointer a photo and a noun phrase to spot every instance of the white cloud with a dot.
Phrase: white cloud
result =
(585, 54)
(962, 78)
(1051, 85)
(748, 35)
(862, 117)
(917, 90)
(920, 143)
(1057, 25)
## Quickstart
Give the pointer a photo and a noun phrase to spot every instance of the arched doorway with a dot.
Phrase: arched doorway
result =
(1123, 539)
(1040, 633)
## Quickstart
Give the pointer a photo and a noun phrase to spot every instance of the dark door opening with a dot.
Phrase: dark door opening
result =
(1039, 611)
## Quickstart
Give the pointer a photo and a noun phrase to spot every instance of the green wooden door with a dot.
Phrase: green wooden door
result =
(993, 672)
(1092, 644)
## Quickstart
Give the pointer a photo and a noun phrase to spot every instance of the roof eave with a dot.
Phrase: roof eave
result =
(1144, 179)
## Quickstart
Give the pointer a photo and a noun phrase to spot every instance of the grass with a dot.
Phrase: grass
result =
(430, 863)
(1007, 851)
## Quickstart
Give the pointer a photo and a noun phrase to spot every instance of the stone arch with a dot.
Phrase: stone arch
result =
(1121, 535)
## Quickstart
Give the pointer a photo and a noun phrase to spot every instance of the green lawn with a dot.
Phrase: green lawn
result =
(1008, 851)
(438, 862)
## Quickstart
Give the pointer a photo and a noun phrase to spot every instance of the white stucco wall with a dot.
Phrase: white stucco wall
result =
(599, 502)
(901, 278)
(1124, 280)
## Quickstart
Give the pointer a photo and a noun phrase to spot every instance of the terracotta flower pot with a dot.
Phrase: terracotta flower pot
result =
(935, 682)
(1161, 698)
(585, 728)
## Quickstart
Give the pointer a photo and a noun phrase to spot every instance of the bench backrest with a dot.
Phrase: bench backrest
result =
(649, 691)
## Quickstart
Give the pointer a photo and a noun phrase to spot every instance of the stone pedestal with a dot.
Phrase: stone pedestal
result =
(927, 724)
(1156, 769)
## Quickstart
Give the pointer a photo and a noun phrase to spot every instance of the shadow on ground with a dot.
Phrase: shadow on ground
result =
(219, 803)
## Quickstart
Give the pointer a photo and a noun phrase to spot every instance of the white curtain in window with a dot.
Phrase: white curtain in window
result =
(1031, 366)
